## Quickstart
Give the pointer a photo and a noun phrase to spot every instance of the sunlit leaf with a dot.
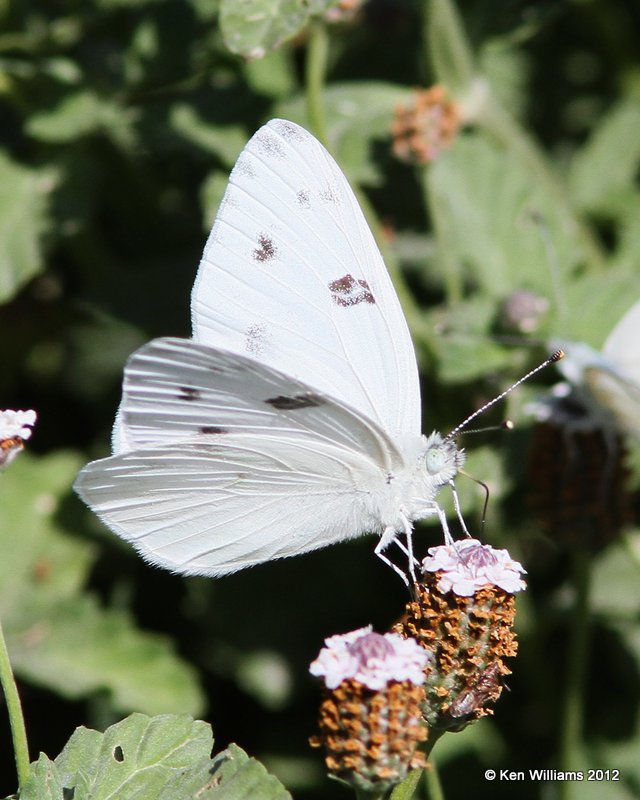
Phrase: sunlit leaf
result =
(253, 27)
(498, 223)
(23, 221)
(604, 171)
(81, 114)
(166, 757)
(58, 636)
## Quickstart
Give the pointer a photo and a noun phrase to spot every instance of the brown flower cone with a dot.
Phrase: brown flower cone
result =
(421, 131)
(371, 737)
(577, 485)
(469, 638)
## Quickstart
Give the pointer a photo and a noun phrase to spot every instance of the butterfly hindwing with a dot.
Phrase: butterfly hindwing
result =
(212, 509)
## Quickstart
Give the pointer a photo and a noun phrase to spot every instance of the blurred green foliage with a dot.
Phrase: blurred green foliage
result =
(119, 123)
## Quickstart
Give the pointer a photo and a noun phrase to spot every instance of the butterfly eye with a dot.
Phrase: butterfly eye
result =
(435, 460)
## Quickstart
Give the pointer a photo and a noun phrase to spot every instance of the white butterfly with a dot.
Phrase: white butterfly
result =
(292, 419)
(605, 384)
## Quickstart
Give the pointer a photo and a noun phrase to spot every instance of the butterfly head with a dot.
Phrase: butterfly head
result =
(442, 458)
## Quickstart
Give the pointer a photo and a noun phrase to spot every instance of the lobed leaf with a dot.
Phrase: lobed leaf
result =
(253, 27)
(165, 757)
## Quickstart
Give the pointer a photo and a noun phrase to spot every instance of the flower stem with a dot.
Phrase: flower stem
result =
(572, 717)
(316, 73)
(407, 789)
(14, 708)
(432, 782)
(364, 795)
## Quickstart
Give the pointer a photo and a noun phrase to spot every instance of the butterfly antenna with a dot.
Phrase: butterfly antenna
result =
(553, 358)
(487, 494)
(505, 425)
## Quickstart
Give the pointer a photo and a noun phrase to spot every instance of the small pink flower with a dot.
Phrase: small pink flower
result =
(16, 423)
(372, 659)
(15, 429)
(469, 565)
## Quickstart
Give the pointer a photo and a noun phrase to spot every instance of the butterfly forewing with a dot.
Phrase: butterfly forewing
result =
(182, 392)
(291, 276)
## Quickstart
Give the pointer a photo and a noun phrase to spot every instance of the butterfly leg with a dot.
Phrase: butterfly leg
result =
(390, 535)
(408, 550)
(456, 505)
(448, 538)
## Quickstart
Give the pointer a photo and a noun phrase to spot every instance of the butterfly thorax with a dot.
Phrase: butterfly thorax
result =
(431, 462)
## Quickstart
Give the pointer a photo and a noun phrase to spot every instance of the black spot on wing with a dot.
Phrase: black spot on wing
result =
(269, 144)
(289, 131)
(244, 167)
(290, 403)
(331, 194)
(256, 339)
(303, 198)
(189, 393)
(347, 291)
(266, 249)
(207, 429)
(118, 753)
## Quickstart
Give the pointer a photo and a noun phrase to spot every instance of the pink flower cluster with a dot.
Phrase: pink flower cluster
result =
(16, 423)
(373, 659)
(15, 428)
(469, 565)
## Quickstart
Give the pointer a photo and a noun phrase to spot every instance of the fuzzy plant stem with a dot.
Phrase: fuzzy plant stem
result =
(432, 782)
(363, 795)
(577, 658)
(14, 709)
(407, 790)
(315, 77)
(428, 778)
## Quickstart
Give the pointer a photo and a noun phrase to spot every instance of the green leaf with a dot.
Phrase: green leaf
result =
(58, 636)
(23, 220)
(165, 758)
(253, 27)
(40, 564)
(133, 759)
(231, 775)
(596, 303)
(45, 781)
(224, 141)
(465, 350)
(273, 75)
(80, 648)
(604, 171)
(81, 114)
(496, 218)
(615, 580)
